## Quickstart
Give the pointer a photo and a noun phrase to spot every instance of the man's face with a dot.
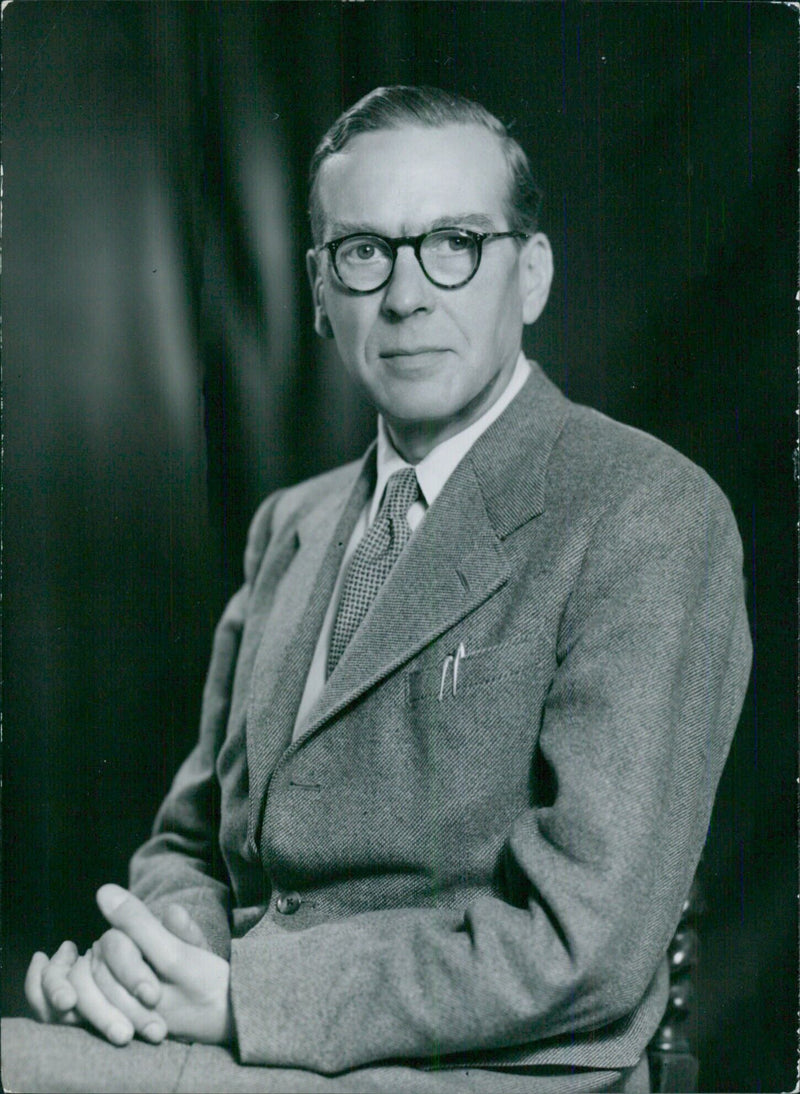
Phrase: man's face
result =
(431, 359)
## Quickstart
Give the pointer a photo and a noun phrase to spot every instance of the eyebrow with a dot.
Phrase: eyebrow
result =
(478, 221)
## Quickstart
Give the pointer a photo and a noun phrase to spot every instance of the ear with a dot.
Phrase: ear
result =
(536, 276)
(322, 325)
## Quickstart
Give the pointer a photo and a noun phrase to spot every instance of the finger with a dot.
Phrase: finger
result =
(33, 986)
(58, 992)
(177, 920)
(34, 993)
(160, 947)
(146, 1022)
(71, 1018)
(96, 1008)
(124, 959)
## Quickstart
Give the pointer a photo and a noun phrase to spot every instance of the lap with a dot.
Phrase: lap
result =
(68, 1060)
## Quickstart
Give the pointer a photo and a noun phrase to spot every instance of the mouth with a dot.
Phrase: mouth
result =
(411, 351)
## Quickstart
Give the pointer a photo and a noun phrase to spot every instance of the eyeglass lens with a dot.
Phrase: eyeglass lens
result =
(447, 257)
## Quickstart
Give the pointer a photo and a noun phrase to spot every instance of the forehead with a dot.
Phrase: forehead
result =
(398, 181)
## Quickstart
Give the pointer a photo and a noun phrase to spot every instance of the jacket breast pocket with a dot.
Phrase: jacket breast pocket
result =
(475, 720)
(466, 670)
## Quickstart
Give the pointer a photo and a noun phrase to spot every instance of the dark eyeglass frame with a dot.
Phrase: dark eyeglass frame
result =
(478, 238)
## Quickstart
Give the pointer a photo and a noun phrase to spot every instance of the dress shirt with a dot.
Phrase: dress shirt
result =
(433, 471)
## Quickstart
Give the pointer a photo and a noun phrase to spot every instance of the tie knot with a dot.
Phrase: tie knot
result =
(402, 491)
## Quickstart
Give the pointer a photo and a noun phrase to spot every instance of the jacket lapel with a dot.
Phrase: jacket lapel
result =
(457, 558)
(285, 650)
(437, 580)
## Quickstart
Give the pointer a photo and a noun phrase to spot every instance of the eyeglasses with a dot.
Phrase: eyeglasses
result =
(449, 257)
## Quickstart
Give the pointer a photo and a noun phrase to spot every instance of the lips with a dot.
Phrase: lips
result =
(411, 351)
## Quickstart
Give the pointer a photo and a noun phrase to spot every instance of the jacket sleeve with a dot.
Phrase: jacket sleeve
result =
(653, 656)
(181, 862)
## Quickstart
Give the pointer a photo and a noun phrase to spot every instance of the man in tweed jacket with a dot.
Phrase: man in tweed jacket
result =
(452, 856)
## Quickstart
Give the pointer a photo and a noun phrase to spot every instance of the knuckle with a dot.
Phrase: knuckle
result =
(171, 963)
(127, 966)
(174, 913)
(111, 941)
(79, 971)
(116, 951)
(52, 977)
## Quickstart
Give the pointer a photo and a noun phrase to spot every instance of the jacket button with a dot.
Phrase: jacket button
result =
(288, 903)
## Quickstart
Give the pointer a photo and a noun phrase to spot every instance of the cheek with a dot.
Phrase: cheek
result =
(351, 329)
(490, 306)
(498, 318)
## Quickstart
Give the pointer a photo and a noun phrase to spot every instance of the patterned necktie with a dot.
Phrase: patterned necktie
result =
(373, 559)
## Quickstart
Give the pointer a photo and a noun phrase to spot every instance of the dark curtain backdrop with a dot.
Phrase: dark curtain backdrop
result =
(161, 376)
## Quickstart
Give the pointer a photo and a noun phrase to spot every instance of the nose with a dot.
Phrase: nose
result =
(408, 290)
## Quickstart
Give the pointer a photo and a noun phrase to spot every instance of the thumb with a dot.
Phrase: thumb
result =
(177, 920)
(161, 948)
(109, 897)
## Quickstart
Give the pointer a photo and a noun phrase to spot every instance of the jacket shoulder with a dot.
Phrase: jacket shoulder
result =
(610, 461)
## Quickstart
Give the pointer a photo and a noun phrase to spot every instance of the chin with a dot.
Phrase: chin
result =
(410, 408)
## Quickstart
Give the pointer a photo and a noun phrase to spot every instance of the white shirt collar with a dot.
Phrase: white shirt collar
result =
(436, 468)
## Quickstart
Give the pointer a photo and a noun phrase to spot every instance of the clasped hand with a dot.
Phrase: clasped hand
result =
(141, 977)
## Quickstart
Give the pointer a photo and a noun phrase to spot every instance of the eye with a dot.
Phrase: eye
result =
(449, 242)
(458, 241)
(361, 250)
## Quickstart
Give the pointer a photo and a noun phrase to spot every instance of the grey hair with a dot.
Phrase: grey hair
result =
(430, 107)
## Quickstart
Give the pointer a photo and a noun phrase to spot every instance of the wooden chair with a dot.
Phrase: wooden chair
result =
(673, 1063)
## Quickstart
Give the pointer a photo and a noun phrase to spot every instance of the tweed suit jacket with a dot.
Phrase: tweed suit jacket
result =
(481, 867)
